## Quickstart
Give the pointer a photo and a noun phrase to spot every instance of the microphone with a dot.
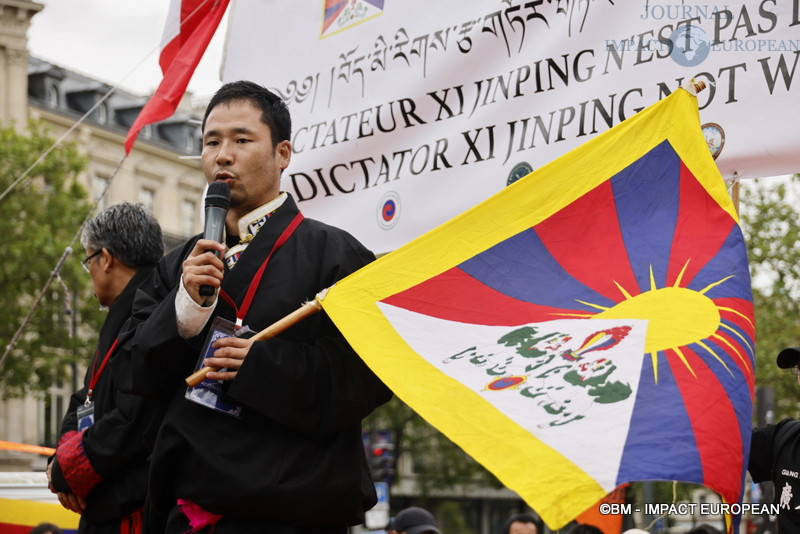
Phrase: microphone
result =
(218, 198)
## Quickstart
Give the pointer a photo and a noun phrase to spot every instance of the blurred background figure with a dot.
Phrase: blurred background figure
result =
(521, 524)
(584, 529)
(705, 529)
(45, 528)
(414, 520)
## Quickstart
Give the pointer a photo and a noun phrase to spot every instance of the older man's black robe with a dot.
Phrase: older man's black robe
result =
(108, 463)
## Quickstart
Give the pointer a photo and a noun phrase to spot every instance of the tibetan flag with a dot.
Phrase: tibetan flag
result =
(589, 325)
(190, 26)
(339, 15)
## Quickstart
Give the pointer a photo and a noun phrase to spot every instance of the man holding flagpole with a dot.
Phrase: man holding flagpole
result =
(271, 443)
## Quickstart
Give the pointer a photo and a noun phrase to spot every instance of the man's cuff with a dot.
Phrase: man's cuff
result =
(191, 316)
(75, 466)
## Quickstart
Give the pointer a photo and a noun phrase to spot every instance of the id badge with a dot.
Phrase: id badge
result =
(85, 415)
(208, 392)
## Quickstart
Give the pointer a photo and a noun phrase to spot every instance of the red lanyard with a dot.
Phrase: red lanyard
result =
(97, 372)
(241, 312)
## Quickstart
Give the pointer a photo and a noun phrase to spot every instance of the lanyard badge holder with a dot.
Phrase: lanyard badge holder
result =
(208, 393)
(85, 413)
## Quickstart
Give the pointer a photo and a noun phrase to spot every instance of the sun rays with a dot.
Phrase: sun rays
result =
(679, 317)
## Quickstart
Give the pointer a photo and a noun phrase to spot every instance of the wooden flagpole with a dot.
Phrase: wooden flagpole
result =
(306, 310)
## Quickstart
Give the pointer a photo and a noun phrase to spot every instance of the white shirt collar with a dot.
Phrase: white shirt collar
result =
(250, 224)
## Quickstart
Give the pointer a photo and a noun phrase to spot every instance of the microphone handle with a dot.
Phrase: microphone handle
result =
(208, 291)
(215, 221)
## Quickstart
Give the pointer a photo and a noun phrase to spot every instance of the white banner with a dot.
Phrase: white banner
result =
(408, 112)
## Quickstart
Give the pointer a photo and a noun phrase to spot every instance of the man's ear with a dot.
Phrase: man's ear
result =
(283, 153)
(106, 260)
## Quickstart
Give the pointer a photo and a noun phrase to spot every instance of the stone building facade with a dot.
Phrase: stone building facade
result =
(163, 172)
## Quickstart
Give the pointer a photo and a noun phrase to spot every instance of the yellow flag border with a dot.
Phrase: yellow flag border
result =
(485, 433)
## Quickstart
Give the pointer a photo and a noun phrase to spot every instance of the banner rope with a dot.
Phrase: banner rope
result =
(68, 250)
(26, 173)
(54, 274)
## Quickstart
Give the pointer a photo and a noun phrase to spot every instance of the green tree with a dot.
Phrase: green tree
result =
(38, 220)
(769, 222)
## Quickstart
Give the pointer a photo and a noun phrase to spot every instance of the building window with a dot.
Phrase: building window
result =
(101, 113)
(188, 215)
(189, 143)
(147, 197)
(99, 185)
(51, 95)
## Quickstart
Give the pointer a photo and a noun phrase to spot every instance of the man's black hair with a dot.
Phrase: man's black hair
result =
(274, 112)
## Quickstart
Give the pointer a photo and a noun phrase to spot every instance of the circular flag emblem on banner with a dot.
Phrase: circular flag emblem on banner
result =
(715, 138)
(521, 169)
(388, 210)
(505, 382)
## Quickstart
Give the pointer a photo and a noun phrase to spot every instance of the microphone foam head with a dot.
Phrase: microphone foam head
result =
(218, 195)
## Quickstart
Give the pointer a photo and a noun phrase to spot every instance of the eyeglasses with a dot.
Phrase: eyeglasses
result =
(85, 262)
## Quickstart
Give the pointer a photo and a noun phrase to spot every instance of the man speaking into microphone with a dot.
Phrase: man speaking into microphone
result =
(270, 443)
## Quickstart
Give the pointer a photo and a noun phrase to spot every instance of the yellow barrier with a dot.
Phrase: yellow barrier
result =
(18, 515)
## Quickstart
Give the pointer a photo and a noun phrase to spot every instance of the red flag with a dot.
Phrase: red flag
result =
(197, 22)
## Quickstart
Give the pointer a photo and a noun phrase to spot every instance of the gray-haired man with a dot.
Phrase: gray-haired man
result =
(100, 466)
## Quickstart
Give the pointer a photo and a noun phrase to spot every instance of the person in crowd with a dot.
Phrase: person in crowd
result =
(46, 528)
(775, 455)
(705, 529)
(414, 520)
(579, 528)
(271, 442)
(520, 524)
(99, 469)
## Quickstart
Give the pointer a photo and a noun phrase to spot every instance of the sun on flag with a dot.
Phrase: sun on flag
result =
(588, 326)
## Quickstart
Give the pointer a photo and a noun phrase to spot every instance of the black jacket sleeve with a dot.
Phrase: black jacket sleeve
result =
(765, 446)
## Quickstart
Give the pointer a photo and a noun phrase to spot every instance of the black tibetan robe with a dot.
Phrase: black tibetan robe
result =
(107, 463)
(295, 456)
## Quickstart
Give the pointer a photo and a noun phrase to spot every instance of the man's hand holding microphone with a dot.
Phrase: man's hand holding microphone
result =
(202, 272)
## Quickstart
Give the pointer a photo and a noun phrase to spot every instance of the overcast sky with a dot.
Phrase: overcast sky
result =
(112, 40)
